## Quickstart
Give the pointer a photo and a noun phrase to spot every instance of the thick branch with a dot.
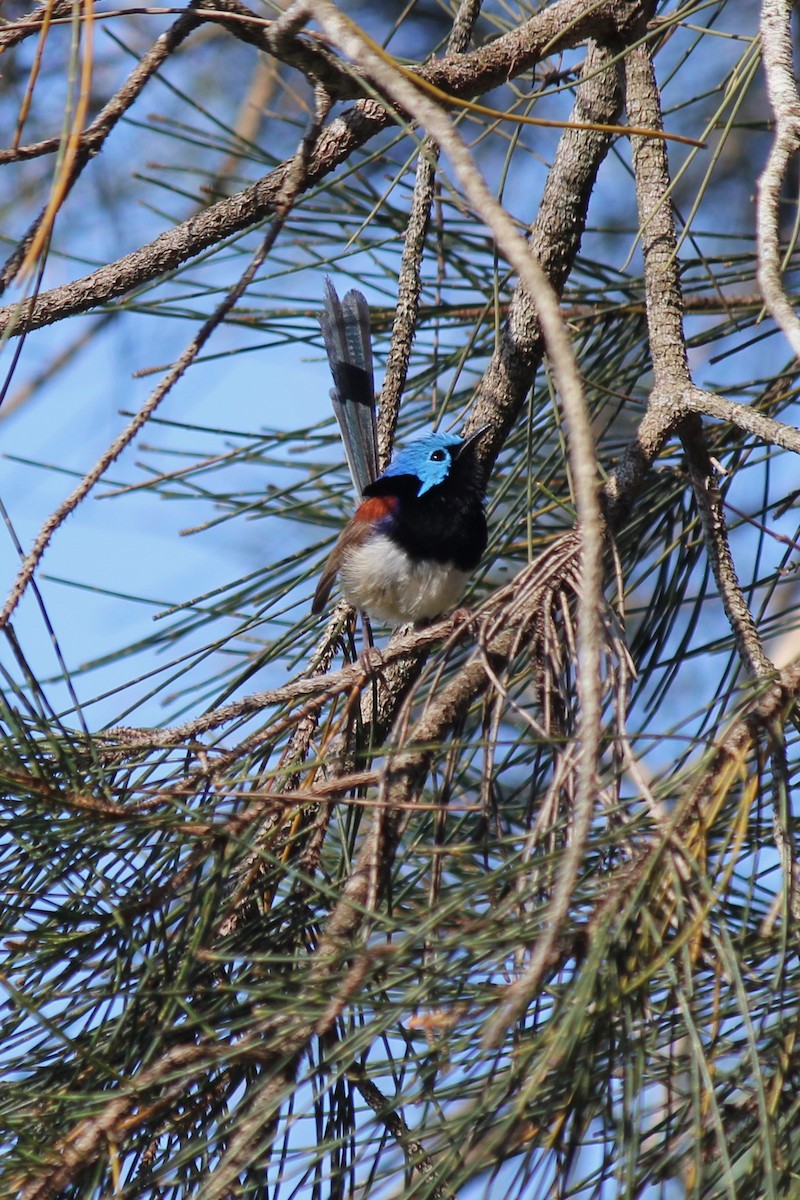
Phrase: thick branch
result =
(657, 227)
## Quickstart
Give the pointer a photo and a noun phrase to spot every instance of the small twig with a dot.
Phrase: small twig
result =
(782, 819)
(712, 517)
(318, 688)
(417, 1158)
(780, 538)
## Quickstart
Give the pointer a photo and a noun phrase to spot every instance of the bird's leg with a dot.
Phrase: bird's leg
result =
(366, 631)
(369, 657)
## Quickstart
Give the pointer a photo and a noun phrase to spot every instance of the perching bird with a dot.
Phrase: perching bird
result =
(420, 528)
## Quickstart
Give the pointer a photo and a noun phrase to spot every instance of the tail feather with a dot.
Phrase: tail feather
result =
(345, 330)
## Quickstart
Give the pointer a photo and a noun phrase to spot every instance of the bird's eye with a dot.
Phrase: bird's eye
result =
(438, 456)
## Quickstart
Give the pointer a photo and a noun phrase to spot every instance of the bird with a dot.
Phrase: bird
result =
(420, 527)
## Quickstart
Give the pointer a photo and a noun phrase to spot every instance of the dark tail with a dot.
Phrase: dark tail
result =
(345, 328)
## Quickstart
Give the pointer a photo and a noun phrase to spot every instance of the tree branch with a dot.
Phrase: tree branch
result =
(776, 50)
(766, 429)
(555, 241)
(668, 348)
(409, 284)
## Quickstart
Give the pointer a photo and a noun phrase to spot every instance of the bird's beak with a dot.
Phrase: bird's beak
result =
(473, 438)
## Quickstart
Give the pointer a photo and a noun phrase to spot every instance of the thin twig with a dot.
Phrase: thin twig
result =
(318, 687)
(712, 517)
(418, 1160)
(782, 820)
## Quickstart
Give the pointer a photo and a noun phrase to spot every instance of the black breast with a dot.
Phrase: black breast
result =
(447, 524)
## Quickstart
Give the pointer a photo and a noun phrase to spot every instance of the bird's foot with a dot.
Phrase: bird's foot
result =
(370, 660)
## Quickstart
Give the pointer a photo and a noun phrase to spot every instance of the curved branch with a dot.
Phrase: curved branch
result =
(438, 125)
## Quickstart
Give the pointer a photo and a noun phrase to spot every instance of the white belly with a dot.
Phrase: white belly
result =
(380, 578)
